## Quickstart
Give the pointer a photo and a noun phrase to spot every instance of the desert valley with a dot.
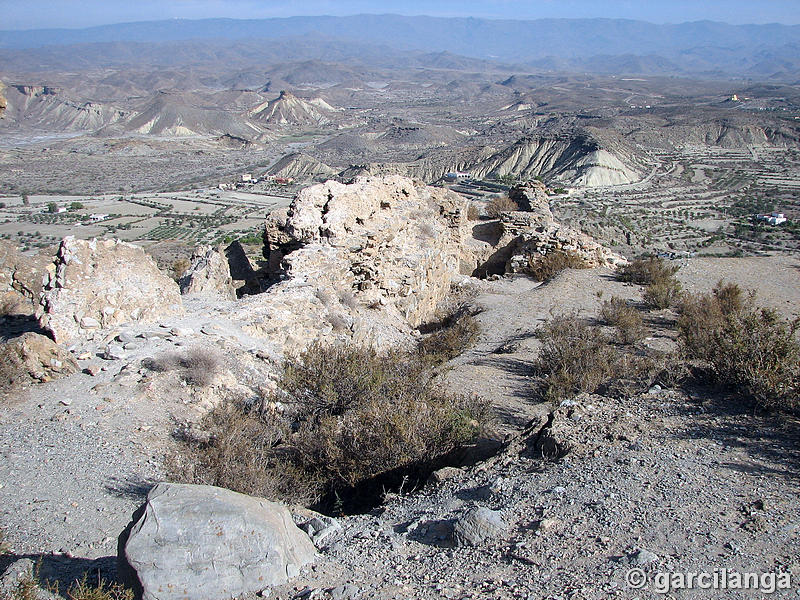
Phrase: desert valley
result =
(399, 307)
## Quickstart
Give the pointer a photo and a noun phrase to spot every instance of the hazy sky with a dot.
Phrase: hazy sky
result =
(28, 14)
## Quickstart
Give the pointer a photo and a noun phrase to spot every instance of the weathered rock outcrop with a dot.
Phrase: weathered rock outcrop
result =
(98, 284)
(532, 197)
(368, 261)
(208, 275)
(530, 236)
(196, 542)
(20, 275)
(523, 237)
(245, 278)
(32, 358)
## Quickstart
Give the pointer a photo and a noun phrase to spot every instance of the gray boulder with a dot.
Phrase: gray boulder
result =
(197, 542)
(476, 526)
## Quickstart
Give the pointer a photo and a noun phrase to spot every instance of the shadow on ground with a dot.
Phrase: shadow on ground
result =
(59, 572)
(770, 440)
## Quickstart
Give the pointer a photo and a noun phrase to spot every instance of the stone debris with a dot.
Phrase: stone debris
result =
(102, 284)
(32, 357)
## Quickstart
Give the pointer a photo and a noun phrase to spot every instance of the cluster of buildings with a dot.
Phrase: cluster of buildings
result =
(775, 218)
(248, 179)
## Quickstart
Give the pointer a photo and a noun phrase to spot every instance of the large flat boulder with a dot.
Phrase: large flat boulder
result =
(198, 542)
(98, 284)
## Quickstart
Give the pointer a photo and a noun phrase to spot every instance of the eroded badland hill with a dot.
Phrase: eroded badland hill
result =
(353, 322)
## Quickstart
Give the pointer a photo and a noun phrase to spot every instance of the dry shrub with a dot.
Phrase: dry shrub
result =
(574, 358)
(647, 271)
(102, 590)
(363, 414)
(577, 356)
(244, 450)
(626, 319)
(31, 587)
(497, 206)
(351, 414)
(662, 294)
(747, 347)
(633, 373)
(473, 212)
(198, 366)
(458, 332)
(544, 268)
(179, 267)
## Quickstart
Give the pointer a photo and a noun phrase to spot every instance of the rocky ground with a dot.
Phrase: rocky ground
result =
(694, 478)
(572, 497)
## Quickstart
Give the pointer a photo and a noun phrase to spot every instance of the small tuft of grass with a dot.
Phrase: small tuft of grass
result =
(473, 212)
(198, 365)
(83, 590)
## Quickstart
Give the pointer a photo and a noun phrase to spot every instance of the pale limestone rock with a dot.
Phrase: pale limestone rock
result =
(21, 276)
(530, 236)
(32, 357)
(367, 261)
(105, 281)
(208, 275)
(532, 197)
(198, 542)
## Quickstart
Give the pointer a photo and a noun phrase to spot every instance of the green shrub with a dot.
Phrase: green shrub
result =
(747, 347)
(647, 271)
(574, 358)
(626, 319)
(544, 268)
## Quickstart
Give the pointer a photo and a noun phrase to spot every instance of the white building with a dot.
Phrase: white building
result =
(775, 218)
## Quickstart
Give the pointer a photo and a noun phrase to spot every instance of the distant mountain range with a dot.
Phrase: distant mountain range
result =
(597, 45)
